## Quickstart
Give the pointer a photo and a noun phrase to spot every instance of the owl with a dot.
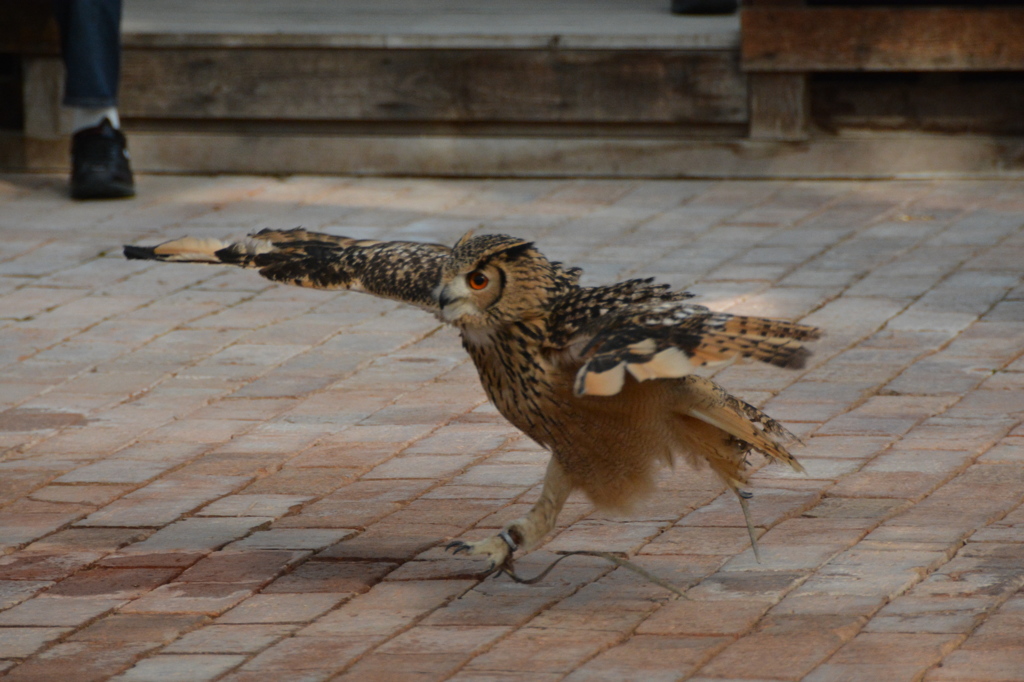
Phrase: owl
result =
(602, 377)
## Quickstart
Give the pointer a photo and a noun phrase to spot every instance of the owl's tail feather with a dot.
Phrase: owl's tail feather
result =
(741, 420)
(720, 429)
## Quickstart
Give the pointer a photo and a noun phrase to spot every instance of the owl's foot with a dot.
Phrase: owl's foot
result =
(497, 549)
(526, 532)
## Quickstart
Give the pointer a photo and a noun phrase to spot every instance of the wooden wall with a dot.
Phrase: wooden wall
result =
(436, 85)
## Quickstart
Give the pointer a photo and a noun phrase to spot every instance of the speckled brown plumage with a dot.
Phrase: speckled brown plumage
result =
(601, 376)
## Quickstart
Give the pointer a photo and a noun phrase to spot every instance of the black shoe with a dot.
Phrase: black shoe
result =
(99, 164)
(704, 6)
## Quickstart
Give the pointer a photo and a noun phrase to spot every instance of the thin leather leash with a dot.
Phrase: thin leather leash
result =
(608, 556)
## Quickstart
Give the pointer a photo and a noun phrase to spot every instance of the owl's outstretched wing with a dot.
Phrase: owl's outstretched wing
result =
(654, 333)
(401, 271)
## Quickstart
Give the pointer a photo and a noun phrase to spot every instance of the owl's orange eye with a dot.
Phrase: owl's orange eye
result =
(477, 280)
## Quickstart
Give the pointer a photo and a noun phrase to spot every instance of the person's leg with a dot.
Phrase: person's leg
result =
(90, 33)
(91, 50)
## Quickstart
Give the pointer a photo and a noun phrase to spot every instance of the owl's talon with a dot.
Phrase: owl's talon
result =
(496, 549)
(457, 546)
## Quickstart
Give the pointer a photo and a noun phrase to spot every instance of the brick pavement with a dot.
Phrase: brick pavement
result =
(209, 477)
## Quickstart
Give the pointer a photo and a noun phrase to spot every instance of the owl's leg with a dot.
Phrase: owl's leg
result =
(743, 496)
(527, 531)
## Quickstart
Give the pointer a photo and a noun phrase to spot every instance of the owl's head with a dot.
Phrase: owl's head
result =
(493, 280)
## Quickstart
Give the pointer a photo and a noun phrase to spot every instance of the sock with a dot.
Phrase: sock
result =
(90, 117)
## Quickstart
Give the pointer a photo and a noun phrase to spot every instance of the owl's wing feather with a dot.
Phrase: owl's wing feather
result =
(398, 270)
(661, 336)
(574, 314)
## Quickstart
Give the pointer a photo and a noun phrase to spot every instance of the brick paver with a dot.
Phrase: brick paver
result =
(205, 476)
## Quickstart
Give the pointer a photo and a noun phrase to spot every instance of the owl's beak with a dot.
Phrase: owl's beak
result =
(454, 302)
(449, 302)
(444, 298)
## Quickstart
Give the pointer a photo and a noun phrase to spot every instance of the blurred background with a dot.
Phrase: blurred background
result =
(609, 88)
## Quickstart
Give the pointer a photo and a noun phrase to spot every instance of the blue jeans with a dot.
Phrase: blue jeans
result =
(90, 36)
